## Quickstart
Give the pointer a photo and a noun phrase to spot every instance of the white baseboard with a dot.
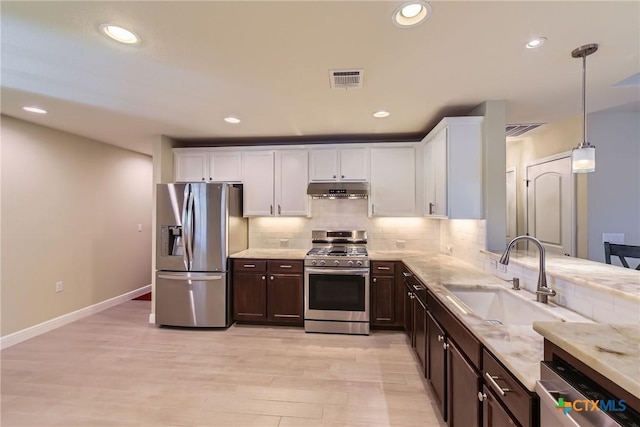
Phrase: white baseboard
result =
(152, 318)
(49, 325)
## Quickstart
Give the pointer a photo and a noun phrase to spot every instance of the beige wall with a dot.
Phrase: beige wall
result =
(70, 211)
(543, 142)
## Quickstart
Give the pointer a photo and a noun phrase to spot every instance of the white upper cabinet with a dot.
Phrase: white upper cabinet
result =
(190, 166)
(393, 181)
(258, 179)
(292, 171)
(453, 169)
(193, 165)
(225, 166)
(339, 164)
(275, 183)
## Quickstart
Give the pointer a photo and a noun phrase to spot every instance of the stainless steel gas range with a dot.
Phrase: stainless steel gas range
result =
(336, 283)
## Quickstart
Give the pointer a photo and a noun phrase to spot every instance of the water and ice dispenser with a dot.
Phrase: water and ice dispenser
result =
(172, 242)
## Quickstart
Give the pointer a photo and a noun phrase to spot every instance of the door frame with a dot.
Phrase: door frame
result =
(514, 169)
(540, 161)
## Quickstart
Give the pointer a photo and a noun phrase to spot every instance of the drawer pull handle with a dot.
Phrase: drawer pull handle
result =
(445, 345)
(384, 268)
(285, 266)
(375, 280)
(249, 266)
(405, 274)
(481, 396)
(492, 380)
(264, 278)
(440, 338)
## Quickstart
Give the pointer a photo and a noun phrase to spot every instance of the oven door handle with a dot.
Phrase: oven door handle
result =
(344, 272)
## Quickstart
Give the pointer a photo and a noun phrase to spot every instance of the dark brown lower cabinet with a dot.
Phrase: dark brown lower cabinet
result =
(383, 300)
(284, 298)
(493, 414)
(420, 332)
(436, 368)
(408, 311)
(249, 296)
(463, 385)
(268, 291)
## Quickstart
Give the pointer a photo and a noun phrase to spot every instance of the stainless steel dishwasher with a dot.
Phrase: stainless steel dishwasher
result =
(568, 398)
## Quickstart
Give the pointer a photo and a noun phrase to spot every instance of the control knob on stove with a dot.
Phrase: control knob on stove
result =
(314, 262)
(359, 263)
(322, 262)
(336, 263)
(350, 263)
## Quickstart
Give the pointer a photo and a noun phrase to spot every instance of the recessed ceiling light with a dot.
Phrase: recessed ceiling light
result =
(33, 109)
(231, 119)
(411, 13)
(534, 43)
(381, 114)
(120, 34)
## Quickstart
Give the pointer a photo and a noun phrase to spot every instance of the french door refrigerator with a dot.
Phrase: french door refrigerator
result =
(198, 226)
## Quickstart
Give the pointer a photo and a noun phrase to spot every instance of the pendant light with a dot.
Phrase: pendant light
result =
(583, 157)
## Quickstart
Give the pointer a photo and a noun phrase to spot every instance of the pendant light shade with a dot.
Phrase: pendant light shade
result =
(583, 157)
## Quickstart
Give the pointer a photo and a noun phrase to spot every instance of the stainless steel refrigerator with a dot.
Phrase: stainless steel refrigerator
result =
(198, 226)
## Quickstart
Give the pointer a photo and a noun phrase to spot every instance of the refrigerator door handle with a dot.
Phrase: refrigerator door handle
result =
(185, 208)
(186, 277)
(189, 226)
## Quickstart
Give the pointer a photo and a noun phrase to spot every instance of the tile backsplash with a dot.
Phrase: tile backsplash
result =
(415, 233)
(464, 239)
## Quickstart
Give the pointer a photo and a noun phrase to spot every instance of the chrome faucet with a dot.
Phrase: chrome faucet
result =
(542, 292)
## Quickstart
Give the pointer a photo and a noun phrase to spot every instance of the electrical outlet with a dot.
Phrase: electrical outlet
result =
(400, 244)
(139, 228)
(494, 264)
(502, 268)
(284, 243)
(58, 286)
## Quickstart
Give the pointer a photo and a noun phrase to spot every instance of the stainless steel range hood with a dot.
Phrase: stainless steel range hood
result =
(338, 190)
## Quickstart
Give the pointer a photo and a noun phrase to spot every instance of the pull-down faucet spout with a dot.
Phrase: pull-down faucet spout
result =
(542, 292)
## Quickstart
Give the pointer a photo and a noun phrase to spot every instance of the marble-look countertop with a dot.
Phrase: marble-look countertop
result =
(272, 253)
(611, 350)
(519, 348)
(620, 281)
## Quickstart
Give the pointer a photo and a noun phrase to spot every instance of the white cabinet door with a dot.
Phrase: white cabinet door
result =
(225, 166)
(323, 164)
(393, 181)
(190, 167)
(435, 177)
(258, 180)
(354, 164)
(453, 169)
(292, 170)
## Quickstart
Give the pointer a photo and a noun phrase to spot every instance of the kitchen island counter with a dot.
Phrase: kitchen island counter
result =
(611, 350)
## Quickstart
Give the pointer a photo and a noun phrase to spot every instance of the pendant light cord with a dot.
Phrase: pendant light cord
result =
(584, 99)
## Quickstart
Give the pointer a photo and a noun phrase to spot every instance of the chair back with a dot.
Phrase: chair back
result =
(621, 251)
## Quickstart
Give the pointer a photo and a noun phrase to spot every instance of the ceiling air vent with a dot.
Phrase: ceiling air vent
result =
(345, 79)
(521, 129)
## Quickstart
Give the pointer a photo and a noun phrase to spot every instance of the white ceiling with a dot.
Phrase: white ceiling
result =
(267, 62)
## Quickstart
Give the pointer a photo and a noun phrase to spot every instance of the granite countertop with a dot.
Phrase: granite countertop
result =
(519, 347)
(611, 350)
(620, 281)
(272, 254)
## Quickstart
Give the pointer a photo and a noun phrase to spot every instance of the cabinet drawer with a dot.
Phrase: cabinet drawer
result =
(519, 401)
(383, 268)
(250, 265)
(285, 266)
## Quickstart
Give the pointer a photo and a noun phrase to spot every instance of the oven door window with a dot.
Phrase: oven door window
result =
(336, 292)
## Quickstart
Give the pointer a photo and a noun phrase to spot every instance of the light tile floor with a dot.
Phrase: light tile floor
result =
(115, 369)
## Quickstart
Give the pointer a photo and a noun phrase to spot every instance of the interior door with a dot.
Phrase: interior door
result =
(550, 203)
